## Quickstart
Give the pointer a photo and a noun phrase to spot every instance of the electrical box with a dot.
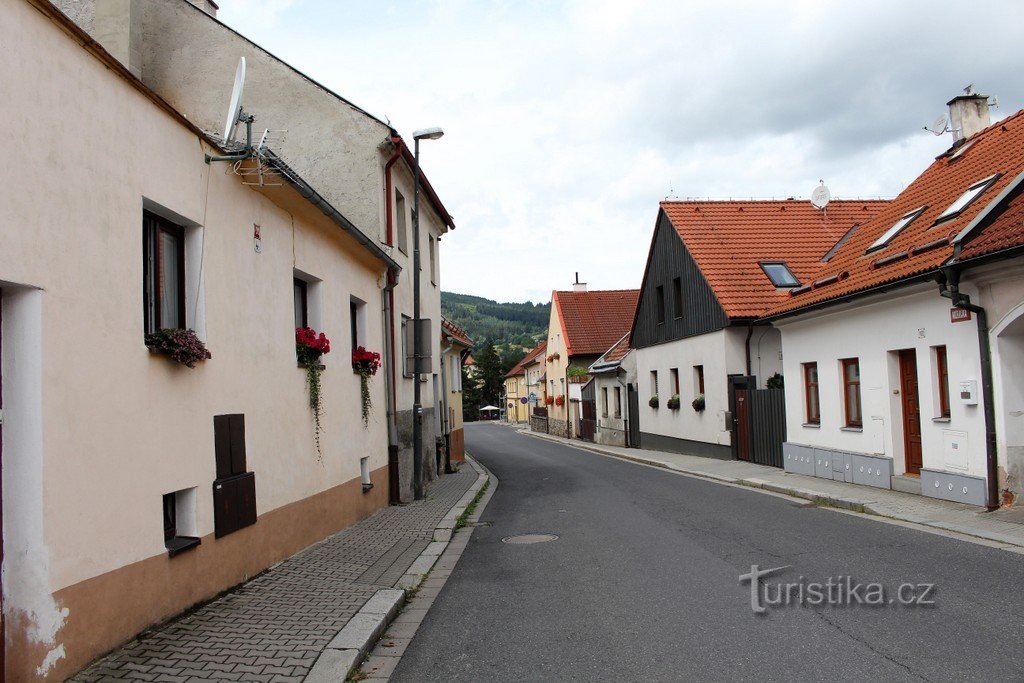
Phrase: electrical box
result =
(969, 392)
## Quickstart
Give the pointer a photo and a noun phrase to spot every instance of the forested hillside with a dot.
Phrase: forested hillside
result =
(502, 324)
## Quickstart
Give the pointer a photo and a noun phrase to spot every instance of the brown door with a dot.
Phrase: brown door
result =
(3, 626)
(911, 411)
(743, 424)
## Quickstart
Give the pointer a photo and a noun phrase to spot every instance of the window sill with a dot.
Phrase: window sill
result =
(367, 488)
(180, 544)
(811, 425)
(851, 429)
(941, 420)
(318, 366)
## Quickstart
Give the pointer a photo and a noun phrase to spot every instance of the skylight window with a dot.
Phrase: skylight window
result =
(963, 148)
(965, 200)
(896, 229)
(842, 240)
(780, 274)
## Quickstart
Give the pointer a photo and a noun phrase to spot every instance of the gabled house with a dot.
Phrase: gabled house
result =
(134, 487)
(713, 269)
(455, 345)
(516, 389)
(583, 325)
(613, 385)
(902, 351)
(359, 163)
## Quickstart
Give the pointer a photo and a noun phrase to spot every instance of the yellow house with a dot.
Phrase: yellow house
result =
(455, 346)
(516, 388)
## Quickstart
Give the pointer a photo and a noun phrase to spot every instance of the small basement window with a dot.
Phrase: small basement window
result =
(897, 228)
(966, 199)
(779, 273)
(180, 521)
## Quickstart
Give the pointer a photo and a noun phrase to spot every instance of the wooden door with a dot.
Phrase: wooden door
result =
(911, 411)
(3, 626)
(743, 424)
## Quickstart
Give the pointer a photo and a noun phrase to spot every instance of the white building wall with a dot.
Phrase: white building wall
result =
(874, 331)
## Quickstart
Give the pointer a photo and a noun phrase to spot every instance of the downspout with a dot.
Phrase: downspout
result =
(388, 302)
(750, 333)
(950, 289)
(446, 428)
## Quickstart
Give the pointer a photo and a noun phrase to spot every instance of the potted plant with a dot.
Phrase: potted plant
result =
(309, 348)
(673, 403)
(559, 400)
(698, 403)
(775, 382)
(653, 402)
(181, 346)
(365, 364)
(549, 400)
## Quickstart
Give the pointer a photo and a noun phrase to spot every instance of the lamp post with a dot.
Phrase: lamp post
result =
(417, 333)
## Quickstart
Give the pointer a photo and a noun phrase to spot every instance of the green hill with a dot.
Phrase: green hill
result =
(513, 328)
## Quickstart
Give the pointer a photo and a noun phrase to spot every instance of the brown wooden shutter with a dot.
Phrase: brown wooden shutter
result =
(234, 491)
(222, 444)
(237, 429)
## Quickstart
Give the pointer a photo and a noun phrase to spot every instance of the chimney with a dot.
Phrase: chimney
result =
(968, 113)
(579, 286)
(208, 6)
(117, 26)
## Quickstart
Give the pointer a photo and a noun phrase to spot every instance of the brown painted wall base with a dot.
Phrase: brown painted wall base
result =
(458, 442)
(108, 610)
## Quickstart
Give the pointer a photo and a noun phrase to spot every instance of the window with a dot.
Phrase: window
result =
(851, 392)
(780, 274)
(698, 379)
(618, 402)
(407, 347)
(364, 473)
(842, 240)
(604, 395)
(234, 490)
(301, 295)
(896, 229)
(163, 273)
(400, 225)
(660, 291)
(180, 521)
(813, 404)
(433, 259)
(357, 322)
(942, 370)
(677, 296)
(966, 199)
(654, 382)
(674, 372)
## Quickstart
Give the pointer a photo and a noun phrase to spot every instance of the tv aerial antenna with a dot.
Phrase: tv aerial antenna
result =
(821, 196)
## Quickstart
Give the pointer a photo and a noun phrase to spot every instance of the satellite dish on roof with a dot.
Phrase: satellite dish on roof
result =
(938, 127)
(235, 108)
(821, 196)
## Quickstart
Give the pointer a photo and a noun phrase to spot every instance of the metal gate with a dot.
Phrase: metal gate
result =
(759, 425)
(632, 419)
(588, 419)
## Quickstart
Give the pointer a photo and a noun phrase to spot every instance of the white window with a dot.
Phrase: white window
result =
(779, 273)
(400, 225)
(896, 229)
(965, 200)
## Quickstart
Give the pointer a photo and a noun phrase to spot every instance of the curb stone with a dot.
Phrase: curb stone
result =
(350, 646)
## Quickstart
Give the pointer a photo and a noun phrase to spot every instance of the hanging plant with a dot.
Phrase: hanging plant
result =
(549, 400)
(673, 403)
(181, 346)
(365, 363)
(309, 347)
(559, 400)
(653, 402)
(698, 403)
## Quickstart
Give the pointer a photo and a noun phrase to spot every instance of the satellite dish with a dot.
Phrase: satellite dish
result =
(235, 108)
(821, 196)
(938, 127)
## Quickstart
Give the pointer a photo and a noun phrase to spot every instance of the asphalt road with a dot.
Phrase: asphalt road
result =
(643, 584)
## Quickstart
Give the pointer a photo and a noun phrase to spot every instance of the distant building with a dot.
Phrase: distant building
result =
(517, 389)
(455, 345)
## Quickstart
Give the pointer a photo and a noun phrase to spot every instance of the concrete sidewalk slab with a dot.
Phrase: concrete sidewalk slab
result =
(996, 528)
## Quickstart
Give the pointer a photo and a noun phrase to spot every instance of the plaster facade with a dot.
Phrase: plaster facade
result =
(97, 429)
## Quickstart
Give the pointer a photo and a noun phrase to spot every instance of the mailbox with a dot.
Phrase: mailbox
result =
(969, 392)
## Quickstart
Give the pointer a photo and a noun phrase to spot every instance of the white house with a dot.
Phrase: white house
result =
(614, 381)
(134, 487)
(902, 351)
(713, 269)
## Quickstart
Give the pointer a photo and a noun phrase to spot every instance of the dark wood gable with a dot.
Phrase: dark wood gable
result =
(701, 313)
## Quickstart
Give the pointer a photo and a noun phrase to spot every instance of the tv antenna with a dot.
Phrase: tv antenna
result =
(938, 126)
(820, 197)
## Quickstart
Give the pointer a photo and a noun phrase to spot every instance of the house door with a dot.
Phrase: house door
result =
(911, 411)
(3, 626)
(740, 404)
(632, 421)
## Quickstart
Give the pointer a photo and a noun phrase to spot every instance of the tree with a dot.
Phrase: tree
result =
(491, 378)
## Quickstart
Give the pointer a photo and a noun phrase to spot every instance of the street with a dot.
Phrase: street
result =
(643, 583)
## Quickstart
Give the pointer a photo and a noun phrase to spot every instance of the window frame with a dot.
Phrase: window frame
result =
(942, 376)
(654, 382)
(898, 227)
(674, 373)
(604, 395)
(659, 293)
(401, 224)
(677, 297)
(968, 197)
(765, 265)
(618, 403)
(152, 270)
(848, 383)
(812, 410)
(698, 373)
(301, 288)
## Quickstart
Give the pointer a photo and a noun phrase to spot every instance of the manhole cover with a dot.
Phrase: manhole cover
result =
(529, 538)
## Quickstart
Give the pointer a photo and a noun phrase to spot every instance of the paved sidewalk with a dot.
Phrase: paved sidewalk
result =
(275, 627)
(1000, 527)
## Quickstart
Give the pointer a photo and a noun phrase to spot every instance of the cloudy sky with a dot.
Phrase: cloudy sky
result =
(567, 122)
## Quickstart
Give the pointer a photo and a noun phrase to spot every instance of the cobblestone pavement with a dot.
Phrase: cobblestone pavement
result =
(274, 627)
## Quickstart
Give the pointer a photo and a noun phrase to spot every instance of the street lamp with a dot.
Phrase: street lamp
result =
(417, 333)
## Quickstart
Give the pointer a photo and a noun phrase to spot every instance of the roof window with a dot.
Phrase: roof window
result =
(842, 240)
(960, 151)
(779, 273)
(896, 229)
(965, 200)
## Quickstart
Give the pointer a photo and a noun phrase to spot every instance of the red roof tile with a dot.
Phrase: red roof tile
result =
(1005, 232)
(617, 352)
(456, 332)
(728, 240)
(593, 321)
(520, 367)
(919, 248)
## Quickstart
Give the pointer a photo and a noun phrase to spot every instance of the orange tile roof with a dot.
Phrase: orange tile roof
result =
(593, 321)
(924, 245)
(520, 367)
(456, 332)
(619, 351)
(728, 240)
(1005, 232)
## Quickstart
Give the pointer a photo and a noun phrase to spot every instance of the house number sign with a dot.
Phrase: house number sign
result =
(959, 315)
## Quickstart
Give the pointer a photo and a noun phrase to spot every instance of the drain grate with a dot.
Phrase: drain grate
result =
(525, 539)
